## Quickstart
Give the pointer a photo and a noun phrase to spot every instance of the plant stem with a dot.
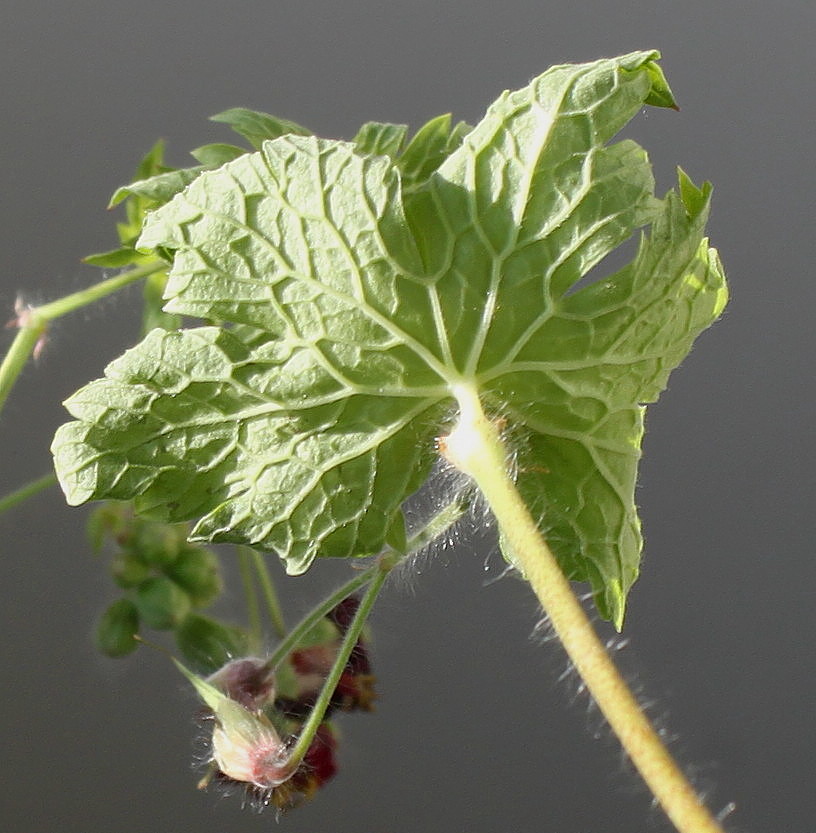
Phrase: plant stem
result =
(436, 525)
(273, 606)
(316, 614)
(14, 361)
(33, 321)
(475, 447)
(384, 566)
(253, 610)
(24, 492)
(77, 300)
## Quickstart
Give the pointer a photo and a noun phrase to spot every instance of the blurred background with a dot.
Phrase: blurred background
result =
(473, 730)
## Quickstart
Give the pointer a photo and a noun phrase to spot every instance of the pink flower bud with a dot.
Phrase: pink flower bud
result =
(247, 681)
(252, 753)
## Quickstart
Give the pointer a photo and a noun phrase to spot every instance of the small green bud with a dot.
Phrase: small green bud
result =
(107, 521)
(197, 571)
(208, 645)
(156, 543)
(129, 570)
(162, 604)
(117, 628)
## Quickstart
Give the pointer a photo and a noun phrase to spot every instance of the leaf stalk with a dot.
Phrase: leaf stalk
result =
(475, 447)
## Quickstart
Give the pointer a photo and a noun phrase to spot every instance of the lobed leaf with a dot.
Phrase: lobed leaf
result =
(360, 287)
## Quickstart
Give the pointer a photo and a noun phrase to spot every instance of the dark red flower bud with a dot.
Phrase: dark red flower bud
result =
(317, 767)
(247, 681)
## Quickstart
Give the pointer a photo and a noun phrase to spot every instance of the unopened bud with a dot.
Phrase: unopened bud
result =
(156, 543)
(117, 628)
(162, 603)
(248, 681)
(246, 747)
(129, 570)
(251, 752)
(197, 571)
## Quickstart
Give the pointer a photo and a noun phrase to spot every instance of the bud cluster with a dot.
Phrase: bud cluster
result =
(166, 580)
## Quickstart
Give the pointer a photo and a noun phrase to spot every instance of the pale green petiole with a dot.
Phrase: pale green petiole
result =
(475, 447)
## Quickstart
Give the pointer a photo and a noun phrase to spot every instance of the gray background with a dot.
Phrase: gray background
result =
(473, 731)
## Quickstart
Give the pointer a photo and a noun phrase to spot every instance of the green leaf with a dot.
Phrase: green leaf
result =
(151, 165)
(215, 155)
(116, 258)
(257, 127)
(660, 95)
(207, 644)
(160, 188)
(378, 138)
(153, 314)
(152, 162)
(252, 466)
(361, 294)
(428, 149)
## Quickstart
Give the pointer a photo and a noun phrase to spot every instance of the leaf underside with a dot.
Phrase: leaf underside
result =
(350, 287)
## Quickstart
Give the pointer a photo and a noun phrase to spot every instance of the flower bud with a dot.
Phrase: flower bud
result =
(128, 570)
(156, 543)
(196, 570)
(246, 747)
(162, 603)
(251, 751)
(248, 681)
(117, 628)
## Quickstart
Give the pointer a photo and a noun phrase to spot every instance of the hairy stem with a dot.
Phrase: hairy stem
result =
(375, 577)
(270, 595)
(475, 447)
(436, 525)
(314, 616)
(253, 609)
(32, 322)
(384, 566)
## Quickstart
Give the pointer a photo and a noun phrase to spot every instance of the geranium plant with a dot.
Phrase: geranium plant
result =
(327, 323)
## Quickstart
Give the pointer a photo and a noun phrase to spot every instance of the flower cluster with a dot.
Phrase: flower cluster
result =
(259, 712)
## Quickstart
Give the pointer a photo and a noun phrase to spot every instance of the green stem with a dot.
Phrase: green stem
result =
(14, 361)
(439, 523)
(27, 491)
(309, 621)
(253, 609)
(475, 447)
(77, 300)
(318, 712)
(270, 595)
(33, 322)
